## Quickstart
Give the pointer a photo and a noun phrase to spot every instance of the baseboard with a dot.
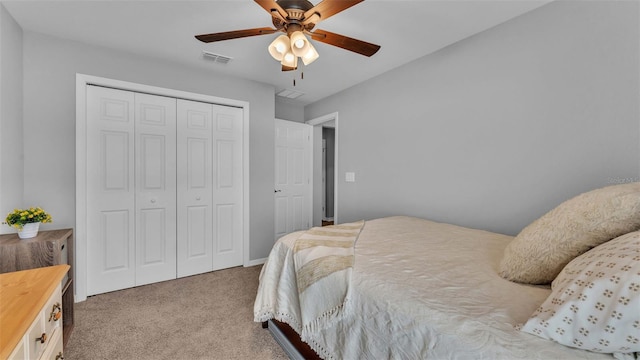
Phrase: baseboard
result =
(255, 262)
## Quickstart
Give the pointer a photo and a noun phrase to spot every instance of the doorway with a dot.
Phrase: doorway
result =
(325, 183)
(328, 172)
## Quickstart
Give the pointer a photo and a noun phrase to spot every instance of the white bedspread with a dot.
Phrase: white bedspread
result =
(419, 289)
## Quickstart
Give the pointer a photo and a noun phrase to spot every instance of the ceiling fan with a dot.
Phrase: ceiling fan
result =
(296, 18)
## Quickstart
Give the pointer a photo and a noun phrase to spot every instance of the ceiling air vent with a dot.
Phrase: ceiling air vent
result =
(289, 94)
(217, 58)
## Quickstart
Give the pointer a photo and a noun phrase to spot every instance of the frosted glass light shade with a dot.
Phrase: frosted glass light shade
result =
(310, 56)
(299, 43)
(279, 47)
(290, 60)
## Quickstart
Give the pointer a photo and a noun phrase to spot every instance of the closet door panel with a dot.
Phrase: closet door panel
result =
(227, 186)
(110, 190)
(114, 240)
(153, 237)
(155, 144)
(194, 178)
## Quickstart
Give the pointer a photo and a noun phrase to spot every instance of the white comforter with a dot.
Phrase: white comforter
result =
(419, 289)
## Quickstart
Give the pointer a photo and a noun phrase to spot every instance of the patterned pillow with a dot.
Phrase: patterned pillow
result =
(545, 246)
(595, 301)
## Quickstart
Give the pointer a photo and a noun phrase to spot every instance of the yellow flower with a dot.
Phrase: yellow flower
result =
(19, 217)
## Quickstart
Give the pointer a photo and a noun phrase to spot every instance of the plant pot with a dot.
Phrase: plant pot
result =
(29, 230)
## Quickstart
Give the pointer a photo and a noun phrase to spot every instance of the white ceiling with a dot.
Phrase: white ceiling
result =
(406, 30)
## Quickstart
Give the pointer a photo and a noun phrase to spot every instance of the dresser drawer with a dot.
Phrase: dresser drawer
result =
(52, 312)
(35, 337)
(54, 348)
(44, 336)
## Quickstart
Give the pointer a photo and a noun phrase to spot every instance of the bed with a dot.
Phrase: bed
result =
(417, 289)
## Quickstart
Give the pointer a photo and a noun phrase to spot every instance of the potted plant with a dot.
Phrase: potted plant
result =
(27, 221)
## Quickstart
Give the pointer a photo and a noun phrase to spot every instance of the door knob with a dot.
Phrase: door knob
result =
(277, 190)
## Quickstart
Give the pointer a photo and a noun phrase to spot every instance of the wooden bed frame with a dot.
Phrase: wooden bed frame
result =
(290, 341)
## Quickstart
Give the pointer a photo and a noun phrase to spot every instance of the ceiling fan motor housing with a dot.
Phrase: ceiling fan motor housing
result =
(295, 13)
(300, 5)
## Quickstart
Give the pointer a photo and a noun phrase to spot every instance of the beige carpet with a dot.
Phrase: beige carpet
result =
(208, 316)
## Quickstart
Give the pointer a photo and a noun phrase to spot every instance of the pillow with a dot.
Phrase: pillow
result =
(545, 246)
(595, 301)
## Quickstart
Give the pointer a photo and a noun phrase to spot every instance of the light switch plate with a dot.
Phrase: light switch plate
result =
(350, 177)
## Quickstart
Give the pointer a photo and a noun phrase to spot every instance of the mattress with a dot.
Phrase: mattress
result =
(418, 289)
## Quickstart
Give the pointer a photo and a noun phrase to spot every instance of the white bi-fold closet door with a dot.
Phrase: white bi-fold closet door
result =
(164, 188)
(210, 193)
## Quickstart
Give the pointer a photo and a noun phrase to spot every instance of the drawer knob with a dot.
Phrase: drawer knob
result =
(59, 356)
(56, 312)
(43, 338)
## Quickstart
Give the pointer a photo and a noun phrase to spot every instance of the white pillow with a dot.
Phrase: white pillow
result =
(545, 246)
(595, 301)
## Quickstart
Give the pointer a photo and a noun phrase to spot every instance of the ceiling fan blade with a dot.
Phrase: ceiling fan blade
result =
(270, 6)
(347, 43)
(227, 35)
(326, 9)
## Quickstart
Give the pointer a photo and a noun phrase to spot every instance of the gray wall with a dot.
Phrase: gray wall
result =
(11, 144)
(288, 111)
(497, 129)
(50, 67)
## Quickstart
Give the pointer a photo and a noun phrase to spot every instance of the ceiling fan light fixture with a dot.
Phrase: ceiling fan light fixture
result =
(310, 56)
(279, 47)
(299, 43)
(295, 18)
(290, 60)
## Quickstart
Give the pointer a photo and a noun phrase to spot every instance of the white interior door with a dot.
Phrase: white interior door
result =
(293, 177)
(210, 187)
(155, 144)
(131, 189)
(110, 190)
(228, 179)
(195, 188)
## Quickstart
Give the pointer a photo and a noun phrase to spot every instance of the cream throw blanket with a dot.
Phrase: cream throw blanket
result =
(323, 260)
(306, 280)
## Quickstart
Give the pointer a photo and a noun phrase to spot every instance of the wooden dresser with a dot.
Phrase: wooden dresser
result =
(31, 313)
(51, 247)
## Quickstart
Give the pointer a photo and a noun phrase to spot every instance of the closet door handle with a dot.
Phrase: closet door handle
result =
(277, 191)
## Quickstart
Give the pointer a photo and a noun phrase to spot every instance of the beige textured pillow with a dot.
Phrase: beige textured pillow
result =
(544, 247)
(595, 301)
